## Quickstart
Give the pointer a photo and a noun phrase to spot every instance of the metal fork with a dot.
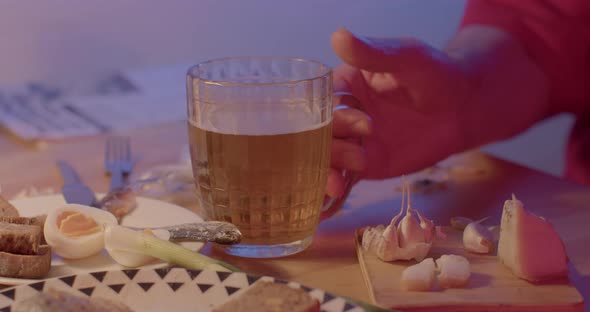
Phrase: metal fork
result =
(118, 162)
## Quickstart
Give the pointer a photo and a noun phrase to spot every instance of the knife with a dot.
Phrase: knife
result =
(73, 189)
(76, 192)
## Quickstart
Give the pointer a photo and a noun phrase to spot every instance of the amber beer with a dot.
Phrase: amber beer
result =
(270, 183)
(260, 130)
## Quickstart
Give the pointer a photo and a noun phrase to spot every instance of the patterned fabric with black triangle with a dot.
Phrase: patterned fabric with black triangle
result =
(139, 287)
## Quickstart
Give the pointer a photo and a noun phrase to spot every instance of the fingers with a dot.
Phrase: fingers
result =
(343, 78)
(351, 123)
(405, 58)
(348, 155)
(345, 99)
(335, 185)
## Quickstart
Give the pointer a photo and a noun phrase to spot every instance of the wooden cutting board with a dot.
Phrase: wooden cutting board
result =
(492, 286)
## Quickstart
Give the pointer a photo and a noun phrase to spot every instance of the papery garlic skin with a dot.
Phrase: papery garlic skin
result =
(371, 235)
(382, 241)
(419, 277)
(478, 239)
(529, 245)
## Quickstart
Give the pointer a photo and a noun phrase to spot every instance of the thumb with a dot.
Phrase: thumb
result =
(405, 58)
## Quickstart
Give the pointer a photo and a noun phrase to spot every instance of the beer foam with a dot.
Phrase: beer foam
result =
(260, 122)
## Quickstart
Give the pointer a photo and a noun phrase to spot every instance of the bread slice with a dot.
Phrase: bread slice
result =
(39, 221)
(6, 209)
(266, 296)
(26, 266)
(20, 238)
(55, 300)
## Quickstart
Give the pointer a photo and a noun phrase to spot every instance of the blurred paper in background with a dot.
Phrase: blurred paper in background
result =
(38, 111)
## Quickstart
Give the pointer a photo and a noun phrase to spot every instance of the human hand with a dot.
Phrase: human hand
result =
(405, 106)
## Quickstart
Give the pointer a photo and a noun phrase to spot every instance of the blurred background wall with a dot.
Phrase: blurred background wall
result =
(78, 38)
(67, 41)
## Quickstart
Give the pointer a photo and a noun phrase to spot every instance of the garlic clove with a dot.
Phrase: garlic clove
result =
(477, 238)
(427, 227)
(409, 231)
(454, 271)
(388, 246)
(419, 277)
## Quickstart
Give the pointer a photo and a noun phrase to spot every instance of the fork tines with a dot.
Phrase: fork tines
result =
(118, 154)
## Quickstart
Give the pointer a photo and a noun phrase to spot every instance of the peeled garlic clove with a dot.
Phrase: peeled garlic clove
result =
(454, 271)
(459, 223)
(477, 238)
(419, 277)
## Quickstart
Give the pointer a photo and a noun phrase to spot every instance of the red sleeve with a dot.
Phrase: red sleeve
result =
(555, 34)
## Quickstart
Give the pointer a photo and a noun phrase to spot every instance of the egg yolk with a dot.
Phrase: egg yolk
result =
(75, 224)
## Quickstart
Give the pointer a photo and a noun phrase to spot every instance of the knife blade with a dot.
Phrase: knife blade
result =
(73, 189)
(218, 232)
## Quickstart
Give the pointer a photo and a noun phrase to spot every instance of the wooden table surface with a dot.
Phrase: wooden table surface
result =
(331, 263)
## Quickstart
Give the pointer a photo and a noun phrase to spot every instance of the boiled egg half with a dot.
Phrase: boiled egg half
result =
(77, 231)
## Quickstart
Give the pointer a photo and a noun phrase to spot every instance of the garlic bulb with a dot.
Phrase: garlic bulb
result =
(410, 239)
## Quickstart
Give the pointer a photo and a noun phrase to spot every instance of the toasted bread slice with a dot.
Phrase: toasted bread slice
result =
(39, 220)
(56, 300)
(6, 209)
(20, 238)
(26, 266)
(266, 296)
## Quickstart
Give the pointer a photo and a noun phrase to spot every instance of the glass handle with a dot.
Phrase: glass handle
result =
(333, 205)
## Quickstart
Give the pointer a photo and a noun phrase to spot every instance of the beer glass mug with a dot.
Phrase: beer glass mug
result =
(260, 130)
